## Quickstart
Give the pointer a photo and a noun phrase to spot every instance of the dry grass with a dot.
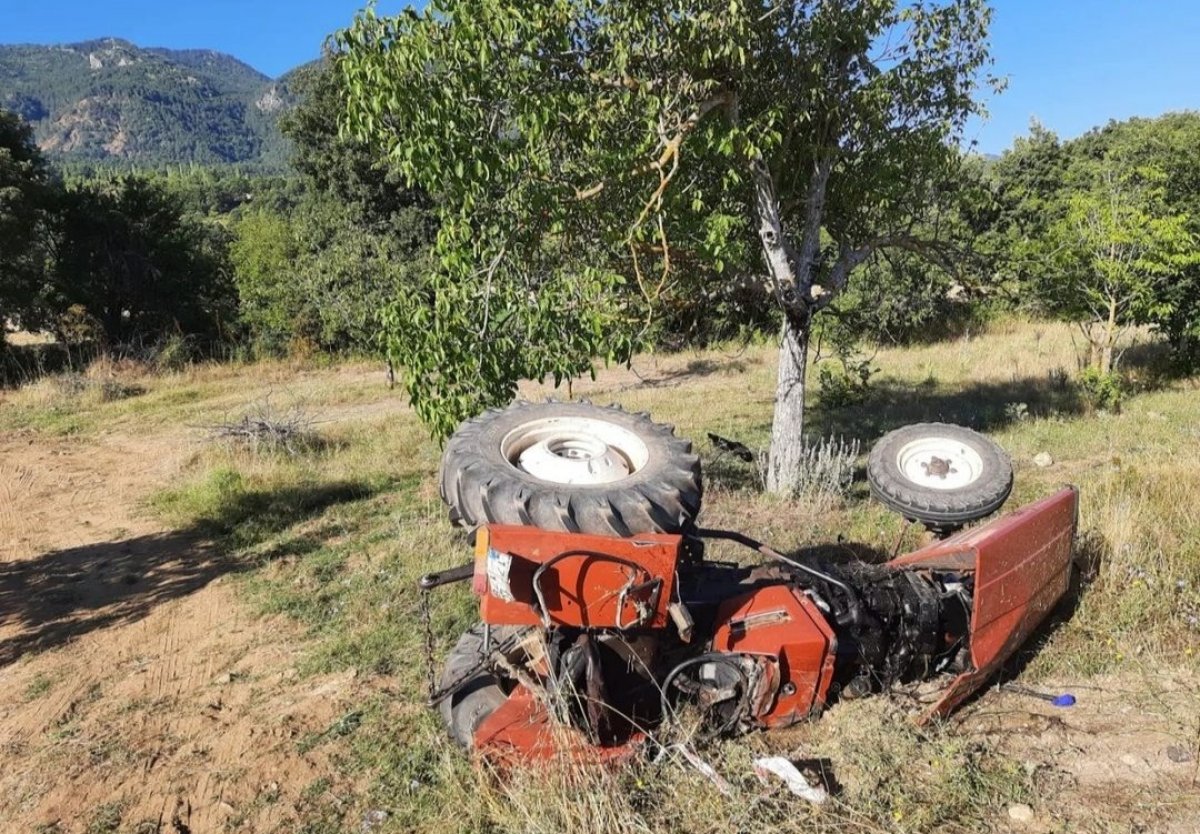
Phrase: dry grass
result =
(342, 531)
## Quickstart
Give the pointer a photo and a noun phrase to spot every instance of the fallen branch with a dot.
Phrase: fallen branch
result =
(291, 431)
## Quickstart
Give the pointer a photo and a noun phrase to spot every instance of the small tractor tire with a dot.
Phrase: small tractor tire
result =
(479, 694)
(942, 475)
(573, 468)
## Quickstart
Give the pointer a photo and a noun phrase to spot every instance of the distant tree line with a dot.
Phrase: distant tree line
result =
(1100, 231)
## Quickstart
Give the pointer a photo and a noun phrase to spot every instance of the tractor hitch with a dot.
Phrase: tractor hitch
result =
(446, 577)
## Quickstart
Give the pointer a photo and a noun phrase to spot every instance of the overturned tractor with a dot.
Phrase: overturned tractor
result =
(601, 617)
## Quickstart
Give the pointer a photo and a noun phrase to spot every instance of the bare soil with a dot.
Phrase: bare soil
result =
(132, 682)
(1124, 758)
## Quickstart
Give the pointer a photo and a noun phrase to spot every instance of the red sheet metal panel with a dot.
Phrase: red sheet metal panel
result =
(521, 732)
(780, 622)
(583, 584)
(1022, 564)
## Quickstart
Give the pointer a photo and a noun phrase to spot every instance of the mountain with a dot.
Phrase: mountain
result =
(111, 102)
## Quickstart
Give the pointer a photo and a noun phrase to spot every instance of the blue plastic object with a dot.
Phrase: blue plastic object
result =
(1064, 700)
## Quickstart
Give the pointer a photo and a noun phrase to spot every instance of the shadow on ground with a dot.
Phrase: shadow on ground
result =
(695, 369)
(56, 597)
(891, 403)
(984, 406)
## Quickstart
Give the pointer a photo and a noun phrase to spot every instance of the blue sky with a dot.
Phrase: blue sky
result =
(1072, 64)
(1075, 64)
(272, 36)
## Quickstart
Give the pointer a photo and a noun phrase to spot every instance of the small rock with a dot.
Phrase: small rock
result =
(224, 680)
(1020, 813)
(372, 820)
(1178, 754)
(226, 809)
(289, 674)
(1043, 459)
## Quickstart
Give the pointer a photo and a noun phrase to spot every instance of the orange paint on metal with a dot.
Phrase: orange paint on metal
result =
(782, 624)
(583, 586)
(1022, 565)
(521, 731)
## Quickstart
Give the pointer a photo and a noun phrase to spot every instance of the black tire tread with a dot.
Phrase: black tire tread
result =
(480, 487)
(480, 695)
(939, 507)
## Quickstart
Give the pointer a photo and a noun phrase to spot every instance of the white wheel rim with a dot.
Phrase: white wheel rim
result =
(575, 450)
(939, 463)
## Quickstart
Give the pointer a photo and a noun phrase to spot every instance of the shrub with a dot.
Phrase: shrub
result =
(1102, 391)
(844, 381)
(827, 469)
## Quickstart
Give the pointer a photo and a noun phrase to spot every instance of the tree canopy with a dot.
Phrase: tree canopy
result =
(25, 217)
(579, 147)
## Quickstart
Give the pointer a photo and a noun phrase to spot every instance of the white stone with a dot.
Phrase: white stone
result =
(1020, 813)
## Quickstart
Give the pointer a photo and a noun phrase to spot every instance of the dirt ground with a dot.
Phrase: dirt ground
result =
(130, 675)
(132, 678)
(1123, 758)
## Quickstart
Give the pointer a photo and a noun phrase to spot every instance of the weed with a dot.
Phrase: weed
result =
(845, 384)
(106, 819)
(71, 387)
(826, 470)
(39, 686)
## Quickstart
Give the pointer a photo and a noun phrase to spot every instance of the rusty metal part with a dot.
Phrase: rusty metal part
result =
(570, 579)
(783, 625)
(521, 732)
(1021, 565)
(937, 467)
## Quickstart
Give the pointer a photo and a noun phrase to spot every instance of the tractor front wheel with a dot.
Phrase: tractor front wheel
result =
(942, 475)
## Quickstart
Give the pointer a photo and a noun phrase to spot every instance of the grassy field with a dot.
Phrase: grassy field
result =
(335, 535)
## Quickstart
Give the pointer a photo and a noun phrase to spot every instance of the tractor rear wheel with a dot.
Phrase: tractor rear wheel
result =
(573, 468)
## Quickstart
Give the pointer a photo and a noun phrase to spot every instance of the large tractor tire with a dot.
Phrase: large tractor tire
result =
(940, 474)
(571, 467)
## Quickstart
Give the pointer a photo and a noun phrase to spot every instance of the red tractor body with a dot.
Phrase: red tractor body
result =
(606, 632)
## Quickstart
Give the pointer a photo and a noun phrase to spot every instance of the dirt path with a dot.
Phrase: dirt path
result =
(133, 685)
(1124, 758)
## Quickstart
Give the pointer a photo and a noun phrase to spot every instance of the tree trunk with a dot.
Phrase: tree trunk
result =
(1110, 338)
(791, 275)
(787, 436)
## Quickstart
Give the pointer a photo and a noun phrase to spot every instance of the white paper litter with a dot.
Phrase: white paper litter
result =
(791, 776)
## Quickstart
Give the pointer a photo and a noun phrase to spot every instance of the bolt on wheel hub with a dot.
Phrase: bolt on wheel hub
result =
(939, 463)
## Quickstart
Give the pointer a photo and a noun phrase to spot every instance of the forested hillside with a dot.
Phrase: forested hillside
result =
(111, 102)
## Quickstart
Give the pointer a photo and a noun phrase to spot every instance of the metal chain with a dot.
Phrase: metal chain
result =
(437, 694)
(427, 624)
